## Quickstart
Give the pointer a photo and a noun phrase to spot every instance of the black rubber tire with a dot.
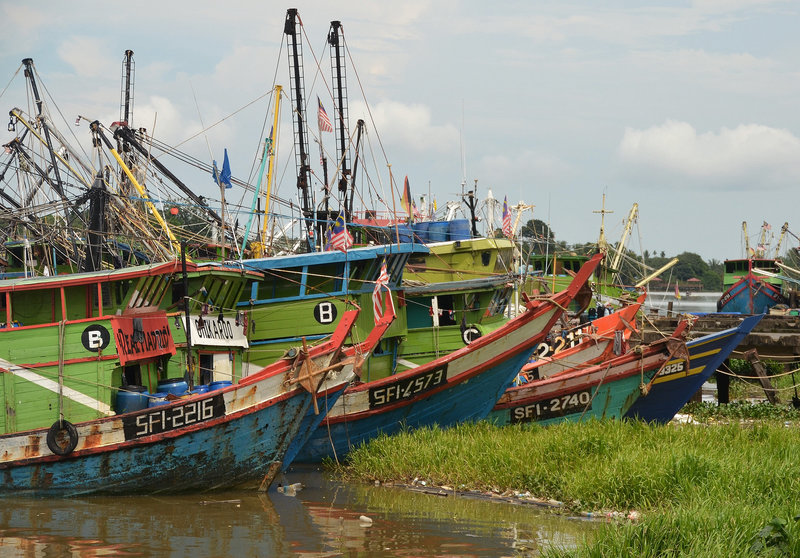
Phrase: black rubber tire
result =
(52, 437)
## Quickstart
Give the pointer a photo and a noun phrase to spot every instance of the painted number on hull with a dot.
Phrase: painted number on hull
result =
(673, 368)
(407, 388)
(557, 345)
(164, 419)
(556, 407)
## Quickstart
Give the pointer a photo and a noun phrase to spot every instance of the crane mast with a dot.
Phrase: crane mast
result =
(621, 246)
(746, 239)
(296, 85)
(126, 101)
(341, 119)
(784, 228)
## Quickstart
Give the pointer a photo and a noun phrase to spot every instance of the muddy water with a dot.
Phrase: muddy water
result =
(321, 519)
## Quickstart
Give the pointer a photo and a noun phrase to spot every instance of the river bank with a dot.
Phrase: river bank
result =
(695, 490)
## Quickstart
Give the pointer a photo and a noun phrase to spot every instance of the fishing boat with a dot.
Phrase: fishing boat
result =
(585, 345)
(753, 285)
(444, 317)
(675, 385)
(460, 386)
(602, 391)
(460, 260)
(746, 291)
(302, 295)
(550, 271)
(68, 347)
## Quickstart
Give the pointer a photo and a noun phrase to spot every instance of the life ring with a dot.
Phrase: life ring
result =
(55, 430)
(470, 334)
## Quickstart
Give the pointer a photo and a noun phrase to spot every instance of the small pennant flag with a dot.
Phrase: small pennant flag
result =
(406, 199)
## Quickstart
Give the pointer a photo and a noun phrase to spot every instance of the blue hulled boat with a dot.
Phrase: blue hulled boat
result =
(463, 385)
(673, 388)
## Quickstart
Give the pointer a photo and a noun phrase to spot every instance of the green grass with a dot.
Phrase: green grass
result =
(702, 490)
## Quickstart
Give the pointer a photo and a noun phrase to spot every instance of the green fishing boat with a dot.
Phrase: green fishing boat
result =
(68, 344)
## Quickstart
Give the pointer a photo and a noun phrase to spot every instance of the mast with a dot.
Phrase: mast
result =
(359, 133)
(125, 117)
(621, 246)
(56, 183)
(746, 239)
(97, 206)
(341, 118)
(297, 87)
(784, 228)
(126, 102)
(271, 168)
(471, 202)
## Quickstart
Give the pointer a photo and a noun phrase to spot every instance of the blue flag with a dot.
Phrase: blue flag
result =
(223, 177)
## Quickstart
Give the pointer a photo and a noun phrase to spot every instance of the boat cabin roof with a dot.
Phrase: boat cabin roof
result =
(74, 279)
(332, 256)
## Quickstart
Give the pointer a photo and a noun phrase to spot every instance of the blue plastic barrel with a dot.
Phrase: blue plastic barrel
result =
(131, 398)
(157, 399)
(403, 233)
(460, 229)
(421, 231)
(437, 231)
(200, 389)
(175, 386)
(219, 384)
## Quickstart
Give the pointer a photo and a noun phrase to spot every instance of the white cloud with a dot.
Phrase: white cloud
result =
(410, 126)
(88, 56)
(748, 156)
(24, 21)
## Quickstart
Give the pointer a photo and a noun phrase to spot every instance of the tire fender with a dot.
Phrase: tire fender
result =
(52, 437)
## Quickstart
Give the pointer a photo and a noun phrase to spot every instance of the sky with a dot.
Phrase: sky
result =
(688, 109)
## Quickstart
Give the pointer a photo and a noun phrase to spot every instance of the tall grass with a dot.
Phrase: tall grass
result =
(701, 490)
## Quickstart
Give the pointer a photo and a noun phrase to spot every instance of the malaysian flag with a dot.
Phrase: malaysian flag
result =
(339, 238)
(382, 282)
(322, 119)
(506, 218)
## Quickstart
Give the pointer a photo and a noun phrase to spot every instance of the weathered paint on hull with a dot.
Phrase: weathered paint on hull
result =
(595, 347)
(600, 392)
(468, 400)
(463, 385)
(226, 454)
(749, 295)
(311, 422)
(223, 438)
(671, 392)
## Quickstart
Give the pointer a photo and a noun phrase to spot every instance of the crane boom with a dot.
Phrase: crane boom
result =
(626, 231)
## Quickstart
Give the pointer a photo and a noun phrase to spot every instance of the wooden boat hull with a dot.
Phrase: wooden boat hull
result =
(461, 386)
(670, 392)
(593, 347)
(223, 438)
(601, 392)
(750, 295)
